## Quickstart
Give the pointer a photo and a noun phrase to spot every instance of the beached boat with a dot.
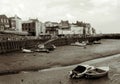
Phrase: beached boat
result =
(97, 42)
(42, 50)
(80, 71)
(78, 44)
(41, 46)
(49, 47)
(26, 50)
(97, 72)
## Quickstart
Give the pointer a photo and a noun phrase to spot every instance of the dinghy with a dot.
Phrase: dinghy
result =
(97, 72)
(79, 71)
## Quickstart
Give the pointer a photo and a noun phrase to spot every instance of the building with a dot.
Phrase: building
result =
(15, 23)
(64, 25)
(33, 27)
(4, 23)
(93, 31)
(78, 28)
(51, 28)
(43, 29)
(87, 30)
(74, 29)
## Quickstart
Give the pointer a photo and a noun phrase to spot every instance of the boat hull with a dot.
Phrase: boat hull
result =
(80, 72)
(97, 72)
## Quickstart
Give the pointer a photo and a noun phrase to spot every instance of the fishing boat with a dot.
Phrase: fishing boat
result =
(97, 72)
(80, 71)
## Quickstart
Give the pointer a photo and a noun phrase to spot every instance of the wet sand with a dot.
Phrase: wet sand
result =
(62, 56)
(60, 75)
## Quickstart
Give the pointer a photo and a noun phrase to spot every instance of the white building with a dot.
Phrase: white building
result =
(74, 29)
(16, 23)
(33, 26)
(40, 28)
(43, 29)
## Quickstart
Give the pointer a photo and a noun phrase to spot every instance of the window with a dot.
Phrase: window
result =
(1, 20)
(7, 21)
(4, 20)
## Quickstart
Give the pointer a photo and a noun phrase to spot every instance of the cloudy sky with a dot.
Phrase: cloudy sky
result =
(104, 15)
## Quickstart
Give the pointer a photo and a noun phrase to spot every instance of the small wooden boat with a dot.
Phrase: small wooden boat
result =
(79, 71)
(26, 50)
(97, 72)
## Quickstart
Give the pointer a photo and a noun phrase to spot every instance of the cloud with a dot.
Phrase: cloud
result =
(100, 13)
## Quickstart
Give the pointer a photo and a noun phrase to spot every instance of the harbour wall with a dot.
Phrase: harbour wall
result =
(10, 46)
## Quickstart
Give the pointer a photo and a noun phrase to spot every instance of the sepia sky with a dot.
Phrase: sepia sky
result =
(104, 15)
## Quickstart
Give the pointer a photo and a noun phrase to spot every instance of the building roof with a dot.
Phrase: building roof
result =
(27, 21)
(3, 16)
(33, 19)
(14, 17)
(30, 21)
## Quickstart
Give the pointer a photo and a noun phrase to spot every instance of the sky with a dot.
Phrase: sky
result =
(103, 15)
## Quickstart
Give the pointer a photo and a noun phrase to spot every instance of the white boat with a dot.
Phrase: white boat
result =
(41, 46)
(49, 47)
(80, 71)
(78, 44)
(42, 50)
(26, 50)
(97, 72)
